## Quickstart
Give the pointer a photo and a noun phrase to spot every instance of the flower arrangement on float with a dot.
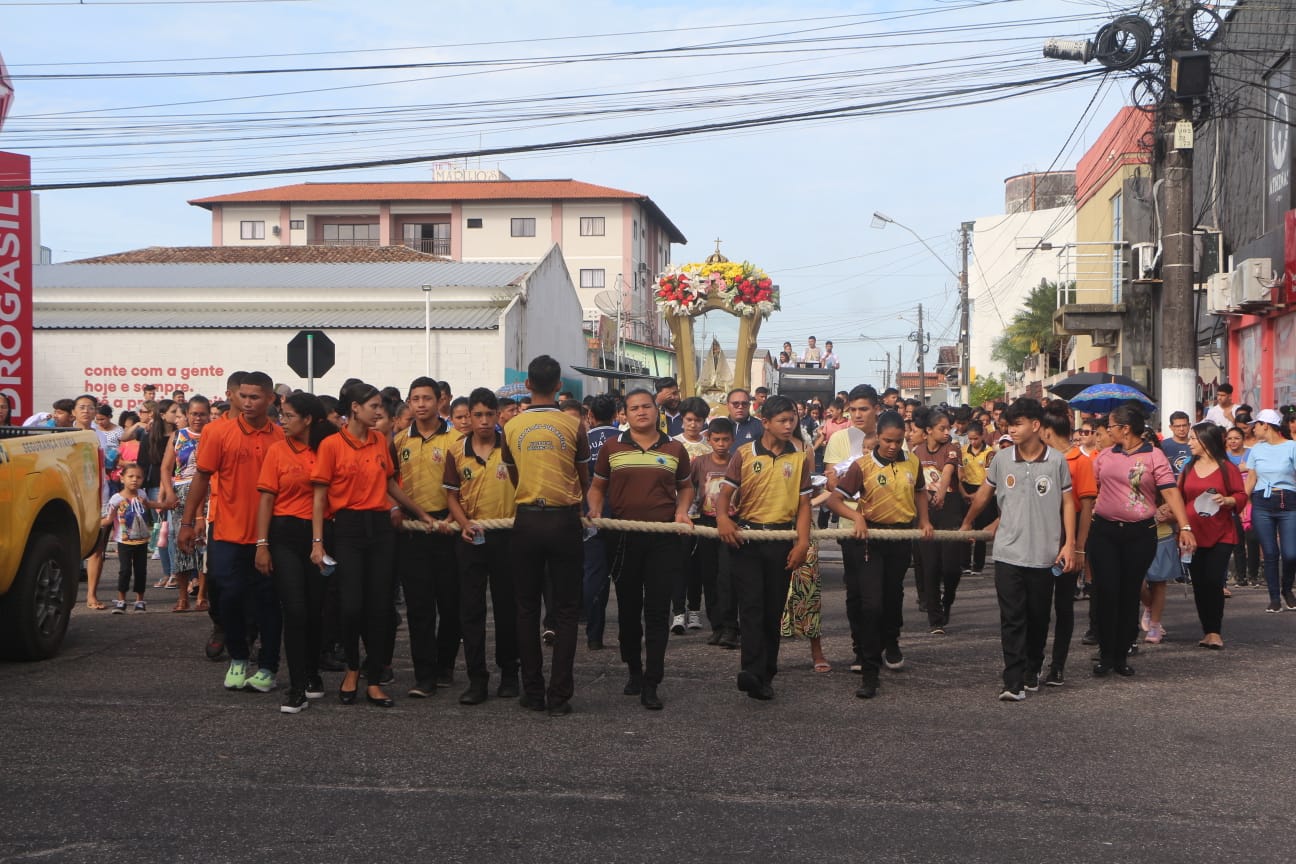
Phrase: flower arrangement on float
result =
(741, 288)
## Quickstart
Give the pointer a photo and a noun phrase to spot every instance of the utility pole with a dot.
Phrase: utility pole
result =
(919, 338)
(1178, 306)
(899, 363)
(965, 332)
(886, 379)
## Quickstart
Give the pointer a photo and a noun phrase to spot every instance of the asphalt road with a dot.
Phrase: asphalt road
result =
(126, 748)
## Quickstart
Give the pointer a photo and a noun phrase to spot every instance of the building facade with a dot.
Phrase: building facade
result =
(612, 240)
(108, 328)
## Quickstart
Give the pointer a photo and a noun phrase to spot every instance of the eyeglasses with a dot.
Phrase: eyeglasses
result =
(739, 404)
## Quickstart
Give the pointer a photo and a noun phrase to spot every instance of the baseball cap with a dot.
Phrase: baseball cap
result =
(1270, 416)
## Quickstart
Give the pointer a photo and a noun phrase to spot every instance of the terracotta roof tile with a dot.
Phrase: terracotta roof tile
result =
(262, 255)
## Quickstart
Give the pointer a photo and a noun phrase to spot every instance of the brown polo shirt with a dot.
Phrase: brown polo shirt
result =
(643, 484)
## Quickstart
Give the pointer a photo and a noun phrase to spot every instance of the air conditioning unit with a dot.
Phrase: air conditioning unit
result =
(1253, 282)
(1142, 261)
(1219, 289)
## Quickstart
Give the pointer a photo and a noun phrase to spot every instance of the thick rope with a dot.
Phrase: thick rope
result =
(748, 534)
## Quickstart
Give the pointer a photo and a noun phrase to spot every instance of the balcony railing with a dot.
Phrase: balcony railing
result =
(1092, 273)
(346, 242)
(430, 245)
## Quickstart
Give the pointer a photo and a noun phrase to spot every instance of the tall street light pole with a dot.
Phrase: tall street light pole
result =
(881, 220)
(427, 330)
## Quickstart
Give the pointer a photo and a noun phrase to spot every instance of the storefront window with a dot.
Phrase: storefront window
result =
(1250, 371)
(1285, 360)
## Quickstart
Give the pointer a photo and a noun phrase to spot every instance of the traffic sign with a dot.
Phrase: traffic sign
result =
(6, 92)
(311, 354)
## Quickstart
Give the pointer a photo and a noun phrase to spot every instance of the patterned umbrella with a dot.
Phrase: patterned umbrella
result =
(517, 388)
(1103, 398)
(1073, 384)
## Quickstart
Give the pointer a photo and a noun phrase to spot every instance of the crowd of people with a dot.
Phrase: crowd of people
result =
(813, 356)
(287, 517)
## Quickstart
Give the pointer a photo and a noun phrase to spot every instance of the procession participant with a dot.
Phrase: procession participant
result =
(1122, 539)
(694, 412)
(645, 476)
(1246, 554)
(82, 412)
(205, 519)
(426, 562)
(1035, 532)
(478, 487)
(812, 353)
(283, 545)
(1222, 412)
(940, 460)
(772, 481)
(746, 427)
(353, 479)
(603, 410)
(890, 399)
(1176, 447)
(977, 454)
(759, 395)
(829, 360)
(668, 402)
(706, 474)
(889, 484)
(686, 594)
(1209, 475)
(232, 452)
(547, 454)
(1271, 486)
(179, 465)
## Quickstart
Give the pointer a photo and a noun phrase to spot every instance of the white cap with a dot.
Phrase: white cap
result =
(1270, 416)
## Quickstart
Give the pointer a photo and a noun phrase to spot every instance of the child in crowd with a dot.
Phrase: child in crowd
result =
(131, 523)
(976, 459)
(712, 557)
(694, 412)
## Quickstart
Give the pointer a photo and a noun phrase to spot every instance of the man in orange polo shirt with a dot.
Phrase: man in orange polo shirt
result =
(233, 452)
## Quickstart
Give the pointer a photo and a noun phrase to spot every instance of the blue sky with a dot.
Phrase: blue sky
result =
(794, 199)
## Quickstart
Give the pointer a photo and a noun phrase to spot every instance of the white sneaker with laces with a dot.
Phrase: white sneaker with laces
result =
(694, 620)
(1010, 696)
(677, 624)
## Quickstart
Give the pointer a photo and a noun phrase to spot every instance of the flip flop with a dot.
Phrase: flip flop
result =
(823, 666)
(96, 605)
(202, 606)
(179, 608)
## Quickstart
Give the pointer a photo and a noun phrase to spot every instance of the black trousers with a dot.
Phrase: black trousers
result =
(300, 587)
(709, 556)
(548, 540)
(132, 559)
(366, 586)
(483, 566)
(875, 597)
(942, 563)
(1209, 569)
(1246, 555)
(761, 580)
(1024, 595)
(975, 554)
(1064, 620)
(644, 569)
(694, 581)
(715, 562)
(1119, 554)
(429, 575)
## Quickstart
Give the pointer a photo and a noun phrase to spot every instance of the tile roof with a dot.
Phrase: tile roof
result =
(431, 190)
(262, 255)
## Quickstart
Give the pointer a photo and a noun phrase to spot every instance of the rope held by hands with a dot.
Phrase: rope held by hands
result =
(748, 534)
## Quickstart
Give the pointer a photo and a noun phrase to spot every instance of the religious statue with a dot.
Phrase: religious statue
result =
(717, 378)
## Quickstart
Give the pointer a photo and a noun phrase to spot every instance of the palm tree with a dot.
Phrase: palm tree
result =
(1031, 330)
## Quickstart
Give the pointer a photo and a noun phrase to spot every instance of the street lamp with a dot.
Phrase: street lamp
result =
(427, 330)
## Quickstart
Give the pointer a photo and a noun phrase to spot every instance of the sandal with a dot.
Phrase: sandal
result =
(822, 666)
(201, 606)
(181, 607)
(95, 604)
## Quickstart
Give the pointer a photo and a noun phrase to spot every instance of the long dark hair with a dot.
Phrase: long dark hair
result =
(1211, 438)
(1128, 415)
(159, 434)
(309, 405)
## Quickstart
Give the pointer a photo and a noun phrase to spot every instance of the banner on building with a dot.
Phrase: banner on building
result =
(1278, 146)
(16, 233)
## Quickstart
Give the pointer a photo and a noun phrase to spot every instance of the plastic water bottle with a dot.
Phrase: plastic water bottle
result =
(1186, 558)
(328, 565)
(479, 537)
(1056, 569)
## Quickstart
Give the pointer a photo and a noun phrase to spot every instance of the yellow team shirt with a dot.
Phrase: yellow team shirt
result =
(484, 486)
(886, 489)
(545, 445)
(422, 463)
(975, 465)
(770, 485)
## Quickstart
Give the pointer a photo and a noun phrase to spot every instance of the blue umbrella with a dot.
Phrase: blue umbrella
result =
(1103, 398)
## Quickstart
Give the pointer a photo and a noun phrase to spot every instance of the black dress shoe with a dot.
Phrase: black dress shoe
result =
(648, 698)
(867, 690)
(475, 694)
(1125, 671)
(445, 678)
(595, 644)
(1089, 638)
(634, 684)
(383, 701)
(1102, 669)
(532, 703)
(422, 690)
(729, 638)
(747, 681)
(764, 692)
(558, 709)
(716, 636)
(346, 697)
(508, 687)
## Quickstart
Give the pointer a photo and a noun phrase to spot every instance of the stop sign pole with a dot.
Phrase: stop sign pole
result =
(310, 362)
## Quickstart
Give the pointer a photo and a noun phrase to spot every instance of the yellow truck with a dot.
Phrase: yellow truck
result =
(50, 492)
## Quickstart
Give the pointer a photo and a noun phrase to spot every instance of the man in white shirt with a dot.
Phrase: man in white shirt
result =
(1221, 413)
(812, 352)
(829, 360)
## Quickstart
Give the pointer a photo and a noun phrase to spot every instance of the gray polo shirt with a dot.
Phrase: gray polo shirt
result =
(1029, 495)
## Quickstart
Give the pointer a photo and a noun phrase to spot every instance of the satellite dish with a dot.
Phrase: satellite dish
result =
(606, 301)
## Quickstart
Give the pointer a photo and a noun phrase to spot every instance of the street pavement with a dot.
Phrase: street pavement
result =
(126, 748)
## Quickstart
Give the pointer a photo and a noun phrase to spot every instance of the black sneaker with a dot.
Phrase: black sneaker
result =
(1054, 678)
(716, 636)
(1274, 606)
(549, 637)
(1032, 682)
(634, 684)
(729, 638)
(867, 690)
(444, 678)
(649, 698)
(532, 703)
(595, 644)
(893, 659)
(558, 709)
(294, 702)
(508, 686)
(216, 644)
(1289, 600)
(423, 690)
(475, 694)
(1089, 638)
(314, 687)
(938, 630)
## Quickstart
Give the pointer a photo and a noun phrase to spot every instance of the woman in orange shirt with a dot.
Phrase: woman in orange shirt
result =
(354, 476)
(284, 541)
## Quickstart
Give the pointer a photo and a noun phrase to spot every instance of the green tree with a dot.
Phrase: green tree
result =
(986, 388)
(1031, 329)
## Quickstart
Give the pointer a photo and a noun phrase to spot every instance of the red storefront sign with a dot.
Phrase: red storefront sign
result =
(16, 285)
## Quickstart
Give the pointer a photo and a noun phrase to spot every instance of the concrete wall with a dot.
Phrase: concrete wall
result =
(494, 242)
(547, 320)
(70, 362)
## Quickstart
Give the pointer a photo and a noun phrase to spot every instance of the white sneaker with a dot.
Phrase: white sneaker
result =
(1010, 696)
(677, 624)
(694, 620)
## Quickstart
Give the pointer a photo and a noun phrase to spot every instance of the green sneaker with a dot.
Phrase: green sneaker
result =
(263, 681)
(236, 677)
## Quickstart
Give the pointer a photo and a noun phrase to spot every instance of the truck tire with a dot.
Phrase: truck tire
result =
(34, 613)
